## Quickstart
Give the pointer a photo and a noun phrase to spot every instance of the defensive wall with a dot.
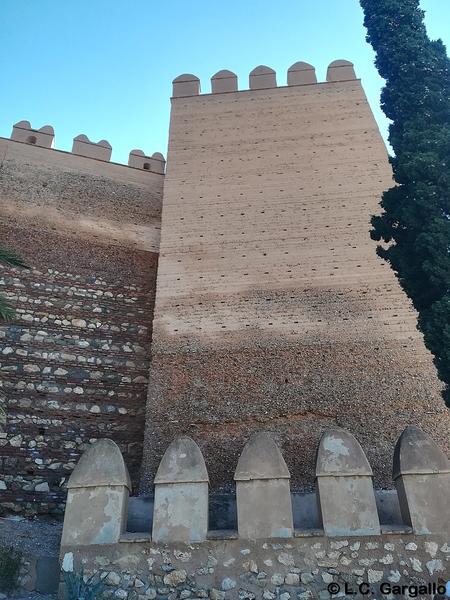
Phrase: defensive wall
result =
(277, 547)
(273, 309)
(74, 362)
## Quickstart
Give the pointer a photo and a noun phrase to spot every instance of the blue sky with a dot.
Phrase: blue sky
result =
(104, 67)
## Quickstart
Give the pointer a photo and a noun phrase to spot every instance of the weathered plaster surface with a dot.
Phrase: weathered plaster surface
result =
(181, 512)
(94, 515)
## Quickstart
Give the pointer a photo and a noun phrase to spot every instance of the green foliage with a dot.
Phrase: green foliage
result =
(6, 311)
(77, 588)
(415, 224)
(9, 569)
(9, 258)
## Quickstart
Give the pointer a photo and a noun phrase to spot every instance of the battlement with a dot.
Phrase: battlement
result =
(263, 77)
(23, 132)
(344, 492)
(83, 146)
(278, 542)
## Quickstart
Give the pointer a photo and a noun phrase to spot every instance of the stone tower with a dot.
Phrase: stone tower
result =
(272, 309)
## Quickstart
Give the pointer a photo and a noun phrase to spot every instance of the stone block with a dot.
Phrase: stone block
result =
(84, 147)
(186, 85)
(181, 494)
(97, 497)
(344, 484)
(301, 73)
(263, 496)
(262, 77)
(340, 70)
(421, 472)
(154, 163)
(224, 81)
(44, 137)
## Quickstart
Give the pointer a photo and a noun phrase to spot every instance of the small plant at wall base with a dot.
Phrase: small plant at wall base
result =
(9, 258)
(9, 569)
(80, 588)
(416, 218)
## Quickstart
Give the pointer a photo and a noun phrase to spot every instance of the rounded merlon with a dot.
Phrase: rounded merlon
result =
(101, 464)
(104, 143)
(340, 63)
(84, 138)
(185, 85)
(154, 163)
(261, 459)
(83, 146)
(301, 73)
(182, 462)
(262, 77)
(340, 70)
(185, 77)
(47, 129)
(224, 81)
(23, 132)
(340, 455)
(417, 453)
(23, 124)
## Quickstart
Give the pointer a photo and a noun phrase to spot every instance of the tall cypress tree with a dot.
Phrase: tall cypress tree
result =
(415, 223)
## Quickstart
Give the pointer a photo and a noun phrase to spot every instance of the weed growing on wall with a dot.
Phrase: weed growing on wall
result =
(80, 588)
(8, 258)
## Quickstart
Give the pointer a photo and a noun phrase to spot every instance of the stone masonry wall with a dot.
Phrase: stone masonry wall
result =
(353, 548)
(74, 361)
(273, 310)
(302, 568)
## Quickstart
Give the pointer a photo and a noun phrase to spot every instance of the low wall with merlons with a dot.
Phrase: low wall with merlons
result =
(347, 550)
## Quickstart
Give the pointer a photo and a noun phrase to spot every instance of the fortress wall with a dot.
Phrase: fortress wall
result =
(74, 362)
(268, 552)
(272, 309)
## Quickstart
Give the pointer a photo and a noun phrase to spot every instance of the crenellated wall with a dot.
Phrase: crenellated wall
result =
(268, 555)
(74, 362)
(273, 309)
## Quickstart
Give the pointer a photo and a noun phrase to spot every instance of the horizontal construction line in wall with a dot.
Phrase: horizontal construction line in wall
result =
(71, 282)
(67, 341)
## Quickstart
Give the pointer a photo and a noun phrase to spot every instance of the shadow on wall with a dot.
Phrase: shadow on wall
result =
(223, 511)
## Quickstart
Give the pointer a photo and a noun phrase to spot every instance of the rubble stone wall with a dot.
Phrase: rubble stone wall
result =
(301, 568)
(74, 361)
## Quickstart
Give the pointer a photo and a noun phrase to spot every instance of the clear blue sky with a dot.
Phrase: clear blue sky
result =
(104, 67)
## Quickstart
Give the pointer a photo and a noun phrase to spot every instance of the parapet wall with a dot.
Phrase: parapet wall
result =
(75, 360)
(83, 146)
(267, 556)
(262, 77)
